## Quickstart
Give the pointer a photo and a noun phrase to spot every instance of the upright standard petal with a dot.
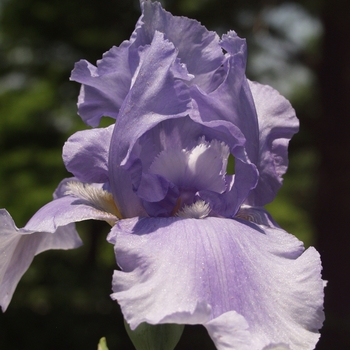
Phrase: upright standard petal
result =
(232, 100)
(277, 125)
(156, 95)
(104, 87)
(197, 47)
(231, 106)
(170, 266)
(18, 248)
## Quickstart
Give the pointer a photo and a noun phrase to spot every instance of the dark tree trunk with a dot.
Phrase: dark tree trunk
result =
(333, 201)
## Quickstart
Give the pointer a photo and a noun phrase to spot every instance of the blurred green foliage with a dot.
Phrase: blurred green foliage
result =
(63, 300)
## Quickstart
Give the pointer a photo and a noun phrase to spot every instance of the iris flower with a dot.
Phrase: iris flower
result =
(192, 240)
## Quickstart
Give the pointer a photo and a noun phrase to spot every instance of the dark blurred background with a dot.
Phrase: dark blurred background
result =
(299, 47)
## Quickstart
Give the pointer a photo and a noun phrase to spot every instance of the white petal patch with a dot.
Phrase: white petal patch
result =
(202, 168)
(95, 196)
(198, 210)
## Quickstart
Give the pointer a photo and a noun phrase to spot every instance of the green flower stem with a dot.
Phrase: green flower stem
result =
(102, 345)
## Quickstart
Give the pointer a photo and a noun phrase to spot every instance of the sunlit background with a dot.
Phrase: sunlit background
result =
(301, 48)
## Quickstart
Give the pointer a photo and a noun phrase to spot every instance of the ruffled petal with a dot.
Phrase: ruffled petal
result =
(156, 95)
(235, 95)
(197, 47)
(231, 106)
(232, 100)
(277, 125)
(85, 154)
(105, 86)
(169, 265)
(18, 248)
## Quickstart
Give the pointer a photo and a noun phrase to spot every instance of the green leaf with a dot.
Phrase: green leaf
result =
(155, 337)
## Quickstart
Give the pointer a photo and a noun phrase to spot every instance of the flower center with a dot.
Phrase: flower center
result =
(198, 210)
(192, 170)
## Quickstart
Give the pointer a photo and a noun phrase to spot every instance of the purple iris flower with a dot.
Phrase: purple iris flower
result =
(193, 242)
